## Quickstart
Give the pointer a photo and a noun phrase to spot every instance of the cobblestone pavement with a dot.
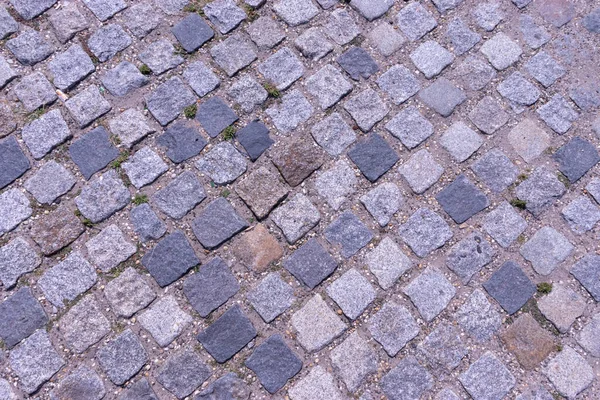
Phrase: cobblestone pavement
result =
(299, 199)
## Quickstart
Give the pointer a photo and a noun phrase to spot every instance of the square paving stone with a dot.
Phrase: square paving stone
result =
(562, 307)
(217, 223)
(180, 196)
(510, 287)
(229, 334)
(519, 91)
(316, 324)
(358, 63)
(535, 36)
(336, 184)
(462, 199)
(144, 167)
(354, 359)
(109, 248)
(487, 378)
(105, 9)
(182, 141)
(372, 10)
(352, 292)
(373, 156)
(70, 67)
(29, 9)
(558, 114)
(393, 327)
(50, 182)
(478, 317)
(399, 83)
(146, 223)
(29, 47)
(556, 12)
(546, 249)
(201, 78)
(282, 68)
(386, 39)
(227, 386)
(318, 381)
(588, 336)
(581, 214)
(419, 290)
(576, 158)
(333, 134)
(271, 297)
(501, 51)
(13, 162)
(328, 86)
(348, 234)
(214, 116)
(387, 262)
(496, 170)
(274, 363)
(128, 293)
(257, 249)
(407, 380)
(93, 151)
(586, 96)
(421, 171)
(183, 372)
(223, 163)
(22, 315)
(122, 357)
(311, 264)
(160, 57)
(443, 96)
(569, 372)
(461, 37)
(425, 231)
(165, 320)
(313, 44)
(43, 134)
(35, 361)
(540, 190)
(210, 287)
(83, 382)
(410, 127)
(430, 58)
(528, 140)
(265, 32)
(68, 279)
(443, 347)
(15, 208)
(474, 73)
(340, 27)
(123, 79)
(224, 14)
(108, 41)
(487, 15)
(415, 21)
(461, 141)
(87, 106)
(67, 21)
(262, 190)
(7, 74)
(504, 224)
(35, 91)
(255, 139)
(17, 258)
(8, 25)
(366, 108)
(297, 159)
(528, 341)
(295, 12)
(170, 259)
(192, 32)
(383, 202)
(84, 324)
(545, 69)
(56, 230)
(296, 217)
(169, 99)
(488, 115)
(234, 53)
(469, 256)
(587, 272)
(291, 112)
(248, 93)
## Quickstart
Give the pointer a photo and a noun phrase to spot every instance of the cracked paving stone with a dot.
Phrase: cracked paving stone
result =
(7, 74)
(29, 47)
(393, 327)
(224, 14)
(22, 315)
(87, 106)
(348, 234)
(8, 25)
(387, 262)
(50, 182)
(478, 317)
(122, 357)
(141, 19)
(109, 248)
(160, 57)
(328, 86)
(210, 287)
(296, 217)
(179, 196)
(192, 32)
(415, 21)
(248, 93)
(227, 386)
(295, 12)
(165, 320)
(234, 53)
(257, 249)
(108, 41)
(214, 116)
(170, 259)
(35, 91)
(123, 79)
(443, 96)
(316, 324)
(488, 115)
(519, 91)
(581, 214)
(15, 208)
(83, 382)
(366, 108)
(65, 281)
(373, 156)
(298, 159)
(144, 167)
(540, 190)
(318, 384)
(354, 360)
(255, 139)
(421, 171)
(262, 190)
(67, 21)
(84, 324)
(105, 9)
(528, 341)
(102, 197)
(425, 231)
(399, 83)
(313, 44)
(407, 380)
(311, 263)
(271, 297)
(35, 361)
(93, 151)
(587, 271)
(562, 307)
(461, 37)
(292, 111)
(501, 51)
(56, 230)
(228, 335)
(504, 224)
(274, 363)
(529, 140)
(461, 141)
(13, 161)
(128, 293)
(358, 63)
(340, 27)
(265, 32)
(569, 372)
(410, 127)
(383, 202)
(352, 292)
(469, 256)
(510, 287)
(217, 223)
(588, 336)
(282, 68)
(558, 114)
(419, 290)
(146, 223)
(496, 170)
(169, 99)
(201, 78)
(17, 258)
(430, 58)
(182, 141)
(462, 199)
(545, 69)
(336, 184)
(223, 163)
(70, 67)
(576, 158)
(443, 347)
(487, 378)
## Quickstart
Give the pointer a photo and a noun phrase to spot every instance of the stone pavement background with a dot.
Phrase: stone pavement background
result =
(299, 199)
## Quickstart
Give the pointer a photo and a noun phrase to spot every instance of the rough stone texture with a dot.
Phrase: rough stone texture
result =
(488, 115)
(50, 182)
(271, 297)
(223, 163)
(316, 324)
(420, 289)
(265, 33)
(169, 100)
(558, 114)
(102, 197)
(13, 162)
(67, 21)
(546, 249)
(576, 158)
(510, 287)
(504, 224)
(70, 67)
(430, 58)
(227, 386)
(407, 380)
(247, 92)
(443, 96)
(461, 37)
(217, 223)
(358, 63)
(81, 383)
(586, 271)
(84, 324)
(336, 184)
(313, 44)
(160, 57)
(93, 151)
(529, 140)
(146, 223)
(295, 12)
(328, 86)
(478, 317)
(373, 156)
(165, 320)
(22, 315)
(310, 263)
(180, 196)
(469, 256)
(496, 170)
(581, 214)
(255, 139)
(383, 201)
(123, 79)
(541, 189)
(258, 249)
(141, 19)
(14, 209)
(214, 116)
(128, 293)
(352, 292)
(393, 327)
(108, 41)
(87, 106)
(171, 258)
(519, 91)
(144, 167)
(569, 372)
(348, 234)
(109, 248)
(56, 230)
(296, 217)
(35, 91)
(562, 307)
(588, 335)
(29, 47)
(425, 231)
(17, 258)
(68, 279)
(501, 51)
(443, 348)
(415, 21)
(410, 127)
(291, 112)
(192, 32)
(182, 141)
(462, 199)
(461, 141)
(528, 341)
(234, 53)
(262, 190)
(421, 171)
(210, 287)
(387, 262)
(122, 357)
(318, 384)
(487, 378)
(354, 359)
(282, 68)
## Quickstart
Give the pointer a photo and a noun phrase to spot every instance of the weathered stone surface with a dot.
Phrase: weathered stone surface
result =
(461, 141)
(201, 78)
(123, 79)
(170, 259)
(35, 91)
(257, 248)
(210, 287)
(352, 292)
(68, 21)
(504, 224)
(50, 182)
(265, 32)
(227, 386)
(487, 378)
(44, 134)
(373, 156)
(56, 230)
(82, 383)
(262, 190)
(84, 324)
(358, 63)
(68, 279)
(93, 151)
(558, 114)
(291, 112)
(169, 100)
(562, 307)
(529, 140)
(165, 320)
(348, 234)
(144, 167)
(222, 163)
(546, 249)
(410, 127)
(387, 262)
(393, 327)
(298, 159)
(109, 248)
(141, 19)
(248, 93)
(122, 357)
(461, 37)
(501, 51)
(70, 67)
(311, 264)
(488, 115)
(271, 297)
(160, 57)
(255, 138)
(496, 170)
(282, 68)
(425, 231)
(128, 293)
(443, 348)
(421, 171)
(576, 158)
(569, 372)
(108, 41)
(8, 25)
(328, 86)
(217, 223)
(372, 9)
(443, 96)
(22, 315)
(234, 53)
(13, 162)
(17, 258)
(415, 21)
(15, 208)
(510, 287)
(407, 380)
(316, 324)
(313, 44)
(528, 341)
(383, 202)
(540, 190)
(586, 271)
(141, 390)
(318, 384)
(102, 197)
(295, 12)
(478, 317)
(29, 47)
(87, 106)
(214, 116)
(419, 290)
(182, 141)
(469, 256)
(180, 196)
